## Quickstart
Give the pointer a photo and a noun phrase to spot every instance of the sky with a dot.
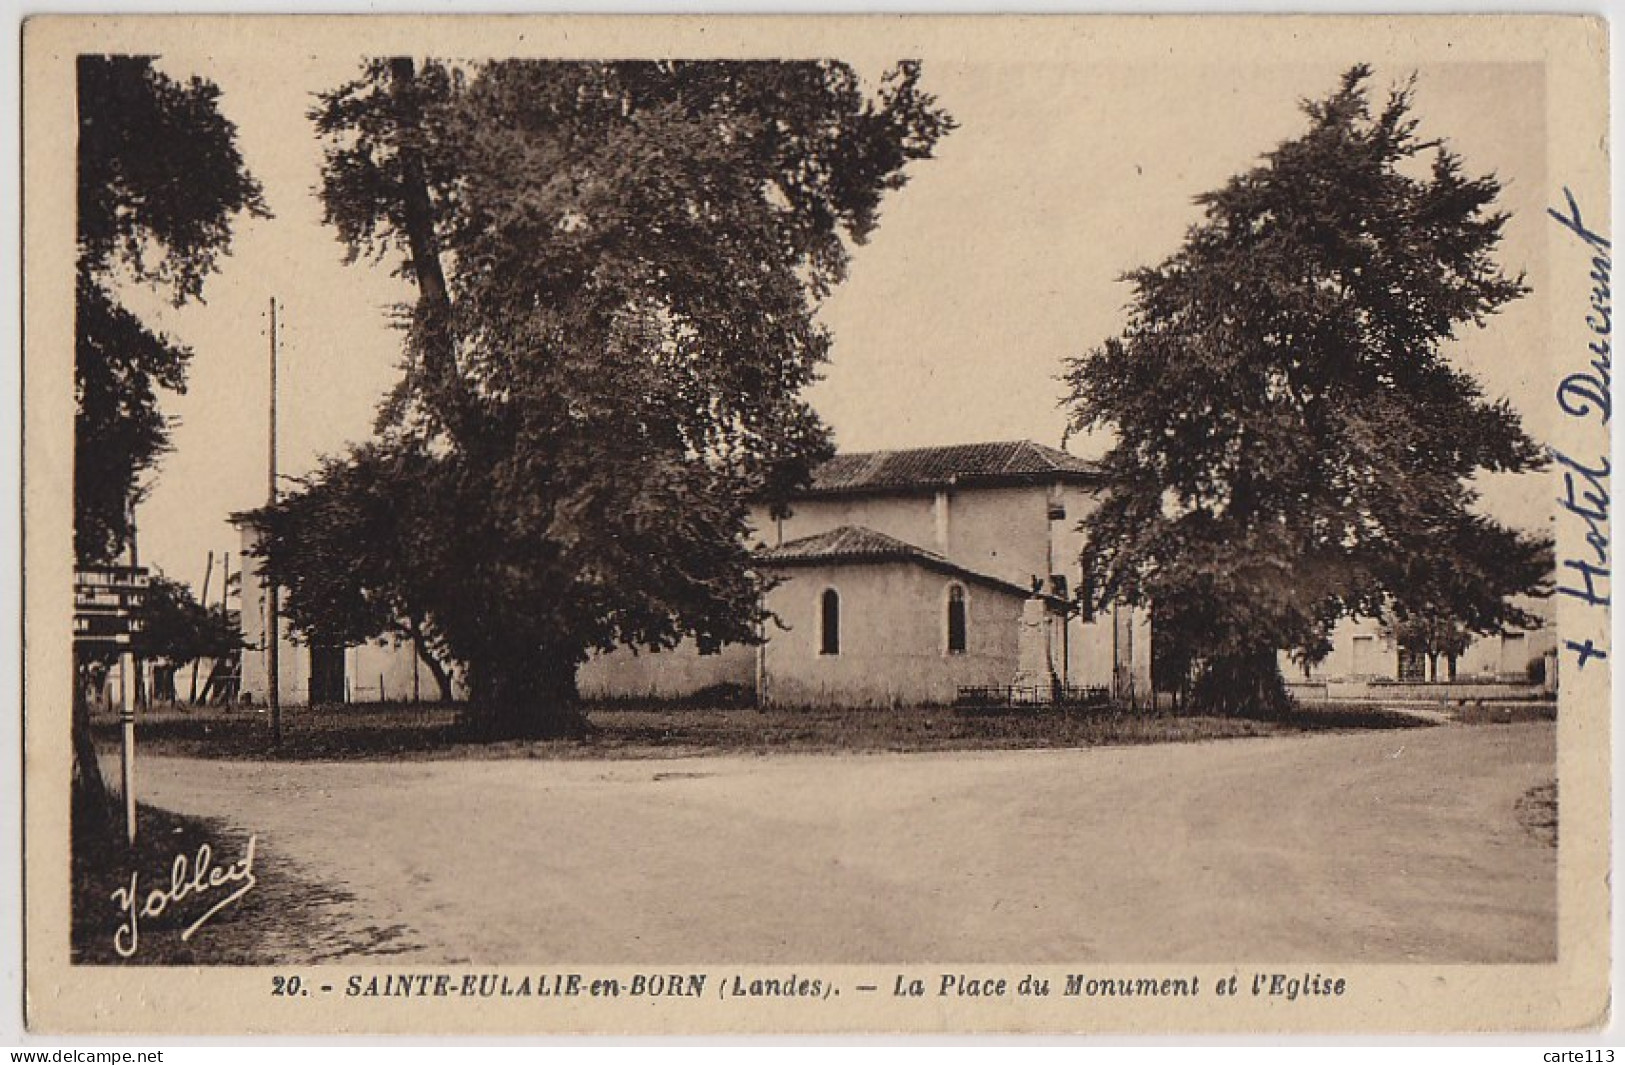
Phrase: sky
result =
(998, 261)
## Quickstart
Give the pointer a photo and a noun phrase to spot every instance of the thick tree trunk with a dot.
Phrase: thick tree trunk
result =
(420, 646)
(1246, 685)
(442, 677)
(438, 351)
(91, 806)
(532, 699)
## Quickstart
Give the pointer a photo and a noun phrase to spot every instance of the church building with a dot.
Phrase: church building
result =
(906, 577)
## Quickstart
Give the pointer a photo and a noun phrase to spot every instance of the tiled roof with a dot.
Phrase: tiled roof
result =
(857, 544)
(846, 544)
(1009, 462)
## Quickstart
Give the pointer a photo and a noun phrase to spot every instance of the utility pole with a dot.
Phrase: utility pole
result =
(225, 605)
(273, 626)
(1117, 656)
(208, 571)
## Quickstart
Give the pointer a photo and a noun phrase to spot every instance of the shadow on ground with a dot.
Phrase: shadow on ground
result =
(287, 915)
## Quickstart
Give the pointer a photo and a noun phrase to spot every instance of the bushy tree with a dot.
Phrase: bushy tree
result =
(357, 552)
(1292, 443)
(177, 629)
(618, 268)
(1433, 636)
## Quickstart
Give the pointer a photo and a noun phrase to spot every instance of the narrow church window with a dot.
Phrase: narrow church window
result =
(956, 620)
(829, 642)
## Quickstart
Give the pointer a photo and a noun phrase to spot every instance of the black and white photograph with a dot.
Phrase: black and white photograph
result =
(838, 524)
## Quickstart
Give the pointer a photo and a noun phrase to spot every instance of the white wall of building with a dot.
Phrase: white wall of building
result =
(1001, 532)
(893, 638)
(1362, 651)
(675, 673)
(373, 672)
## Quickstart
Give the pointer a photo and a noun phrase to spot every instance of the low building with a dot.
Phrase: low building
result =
(377, 671)
(1366, 659)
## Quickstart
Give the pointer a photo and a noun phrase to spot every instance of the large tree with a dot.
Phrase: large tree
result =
(618, 268)
(1293, 444)
(160, 184)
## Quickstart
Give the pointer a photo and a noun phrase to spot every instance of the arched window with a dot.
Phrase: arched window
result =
(956, 620)
(829, 629)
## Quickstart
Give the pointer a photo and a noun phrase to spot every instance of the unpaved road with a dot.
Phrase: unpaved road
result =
(1378, 846)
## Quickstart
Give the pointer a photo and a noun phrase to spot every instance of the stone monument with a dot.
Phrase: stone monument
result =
(1034, 668)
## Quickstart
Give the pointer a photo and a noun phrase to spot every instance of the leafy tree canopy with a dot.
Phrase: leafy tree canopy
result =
(1293, 445)
(160, 183)
(1431, 635)
(618, 267)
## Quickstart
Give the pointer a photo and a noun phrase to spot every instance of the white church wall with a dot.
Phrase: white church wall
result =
(893, 638)
(676, 673)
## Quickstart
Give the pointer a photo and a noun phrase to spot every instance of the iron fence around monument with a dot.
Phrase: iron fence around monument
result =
(1034, 697)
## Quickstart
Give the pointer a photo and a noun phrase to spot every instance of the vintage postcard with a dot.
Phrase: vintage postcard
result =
(817, 524)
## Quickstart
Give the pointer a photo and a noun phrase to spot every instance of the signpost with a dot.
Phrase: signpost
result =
(106, 605)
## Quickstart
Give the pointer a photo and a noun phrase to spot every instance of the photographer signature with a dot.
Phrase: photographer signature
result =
(186, 878)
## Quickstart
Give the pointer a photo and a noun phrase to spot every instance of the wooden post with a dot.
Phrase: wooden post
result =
(126, 694)
(225, 615)
(1116, 693)
(208, 571)
(1133, 691)
(273, 627)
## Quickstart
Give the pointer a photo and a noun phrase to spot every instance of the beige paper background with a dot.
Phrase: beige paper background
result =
(1572, 993)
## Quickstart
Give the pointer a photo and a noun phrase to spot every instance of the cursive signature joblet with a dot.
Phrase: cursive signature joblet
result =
(186, 878)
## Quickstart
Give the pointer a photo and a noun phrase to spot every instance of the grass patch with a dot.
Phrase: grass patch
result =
(386, 731)
(1537, 812)
(426, 731)
(283, 917)
(1503, 713)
